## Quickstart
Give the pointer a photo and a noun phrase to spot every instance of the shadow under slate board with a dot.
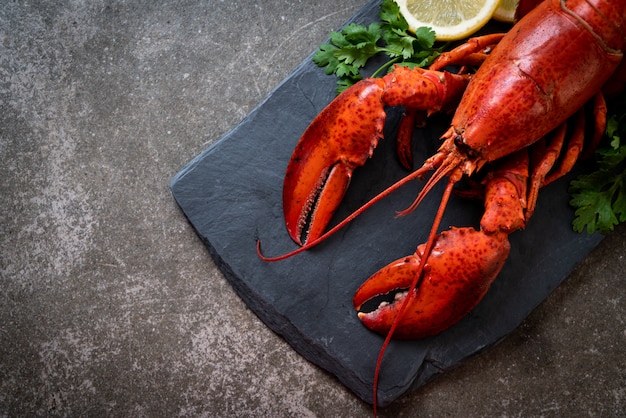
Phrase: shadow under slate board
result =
(232, 195)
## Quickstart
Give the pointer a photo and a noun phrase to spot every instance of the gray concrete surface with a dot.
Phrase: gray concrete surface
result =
(110, 304)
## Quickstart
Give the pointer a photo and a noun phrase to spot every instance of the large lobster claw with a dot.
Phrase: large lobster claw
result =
(344, 135)
(459, 269)
(457, 274)
(338, 140)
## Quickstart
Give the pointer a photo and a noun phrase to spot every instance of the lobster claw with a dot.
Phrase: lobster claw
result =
(461, 267)
(344, 135)
(341, 138)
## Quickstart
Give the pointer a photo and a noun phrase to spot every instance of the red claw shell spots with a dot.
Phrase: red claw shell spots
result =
(461, 267)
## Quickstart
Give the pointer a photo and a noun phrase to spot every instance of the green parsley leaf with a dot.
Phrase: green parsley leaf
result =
(425, 38)
(349, 50)
(600, 197)
(399, 44)
(391, 17)
(324, 57)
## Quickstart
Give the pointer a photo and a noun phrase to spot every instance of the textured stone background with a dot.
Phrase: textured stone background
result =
(110, 304)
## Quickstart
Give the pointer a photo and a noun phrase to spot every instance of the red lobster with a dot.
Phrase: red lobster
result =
(511, 121)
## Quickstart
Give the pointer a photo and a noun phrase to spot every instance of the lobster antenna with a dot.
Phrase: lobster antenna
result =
(430, 242)
(447, 166)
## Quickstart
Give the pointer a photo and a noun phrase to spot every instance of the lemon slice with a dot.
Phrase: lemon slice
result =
(450, 19)
(506, 11)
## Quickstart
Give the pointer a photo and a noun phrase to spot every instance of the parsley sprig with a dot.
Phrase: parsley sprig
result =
(350, 49)
(600, 197)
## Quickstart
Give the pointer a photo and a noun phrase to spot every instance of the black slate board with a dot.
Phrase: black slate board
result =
(231, 194)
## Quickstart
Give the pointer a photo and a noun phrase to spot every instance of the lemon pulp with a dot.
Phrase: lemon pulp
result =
(450, 19)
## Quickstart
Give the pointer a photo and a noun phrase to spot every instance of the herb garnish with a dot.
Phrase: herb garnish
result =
(600, 197)
(350, 49)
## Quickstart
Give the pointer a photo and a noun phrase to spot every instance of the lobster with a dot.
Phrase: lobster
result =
(519, 121)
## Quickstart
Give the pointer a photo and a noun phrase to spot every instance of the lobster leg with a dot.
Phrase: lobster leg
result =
(473, 52)
(545, 171)
(410, 119)
(572, 152)
(599, 117)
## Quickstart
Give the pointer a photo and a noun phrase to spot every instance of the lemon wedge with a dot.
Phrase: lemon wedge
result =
(506, 11)
(450, 19)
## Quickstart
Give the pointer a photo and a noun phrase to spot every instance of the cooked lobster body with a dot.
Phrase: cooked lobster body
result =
(518, 120)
